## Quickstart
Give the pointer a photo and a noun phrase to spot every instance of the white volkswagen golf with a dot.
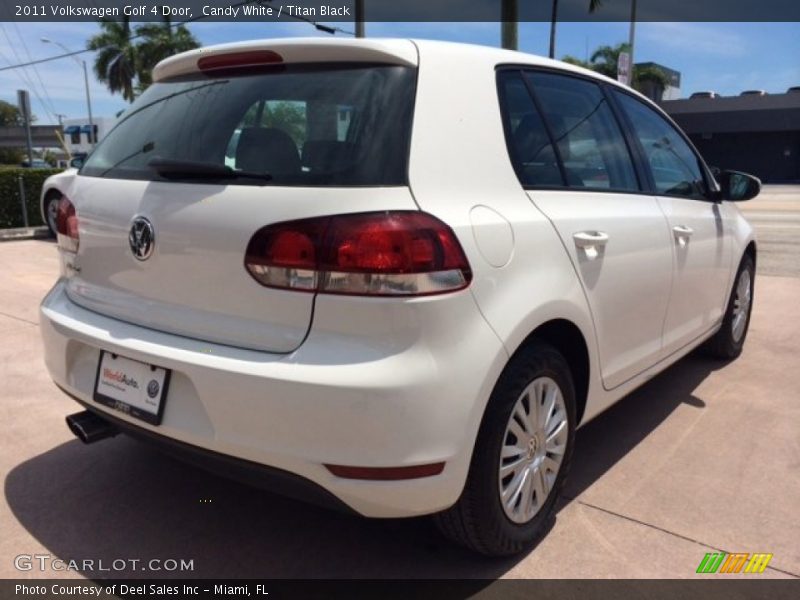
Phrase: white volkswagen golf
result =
(392, 276)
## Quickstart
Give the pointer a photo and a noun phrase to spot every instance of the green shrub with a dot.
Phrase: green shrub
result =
(10, 206)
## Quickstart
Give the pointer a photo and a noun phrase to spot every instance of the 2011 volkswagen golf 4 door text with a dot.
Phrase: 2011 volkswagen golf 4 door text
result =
(392, 276)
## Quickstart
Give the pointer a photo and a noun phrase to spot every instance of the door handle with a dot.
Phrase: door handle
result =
(589, 239)
(682, 231)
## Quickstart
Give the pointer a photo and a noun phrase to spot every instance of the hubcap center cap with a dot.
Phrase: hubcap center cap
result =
(533, 446)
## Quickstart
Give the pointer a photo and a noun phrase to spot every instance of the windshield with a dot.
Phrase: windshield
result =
(303, 125)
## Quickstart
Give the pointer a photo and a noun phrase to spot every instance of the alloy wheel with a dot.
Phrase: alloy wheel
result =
(533, 449)
(741, 305)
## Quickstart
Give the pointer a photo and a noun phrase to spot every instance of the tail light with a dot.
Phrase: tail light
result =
(392, 253)
(67, 226)
(235, 60)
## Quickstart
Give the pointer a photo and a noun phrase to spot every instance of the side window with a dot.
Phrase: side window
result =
(589, 139)
(526, 137)
(675, 167)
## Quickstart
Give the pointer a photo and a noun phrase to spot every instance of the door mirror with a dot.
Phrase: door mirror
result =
(736, 186)
(76, 163)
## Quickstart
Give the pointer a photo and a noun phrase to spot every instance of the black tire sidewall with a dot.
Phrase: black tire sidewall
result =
(48, 201)
(540, 360)
(734, 347)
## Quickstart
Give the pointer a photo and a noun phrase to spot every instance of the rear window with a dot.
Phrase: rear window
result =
(305, 125)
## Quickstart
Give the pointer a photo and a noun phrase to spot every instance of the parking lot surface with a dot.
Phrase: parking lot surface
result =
(704, 458)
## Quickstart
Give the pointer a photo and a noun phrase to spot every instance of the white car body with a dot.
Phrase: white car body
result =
(53, 189)
(384, 382)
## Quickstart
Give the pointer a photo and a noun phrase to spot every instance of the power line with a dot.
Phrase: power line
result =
(24, 75)
(52, 110)
(315, 24)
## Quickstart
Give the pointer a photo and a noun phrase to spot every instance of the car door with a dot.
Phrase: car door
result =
(572, 158)
(701, 247)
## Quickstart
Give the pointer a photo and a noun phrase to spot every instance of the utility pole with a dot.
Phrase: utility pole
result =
(632, 35)
(24, 104)
(553, 21)
(60, 118)
(92, 135)
(359, 18)
(85, 83)
(509, 32)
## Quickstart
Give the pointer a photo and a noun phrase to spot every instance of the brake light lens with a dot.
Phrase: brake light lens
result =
(395, 253)
(234, 60)
(67, 226)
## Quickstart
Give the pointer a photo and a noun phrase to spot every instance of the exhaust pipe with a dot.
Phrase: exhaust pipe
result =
(89, 428)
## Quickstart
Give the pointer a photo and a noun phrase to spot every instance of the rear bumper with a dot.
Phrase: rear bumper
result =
(245, 471)
(414, 400)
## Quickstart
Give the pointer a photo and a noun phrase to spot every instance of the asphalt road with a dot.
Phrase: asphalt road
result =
(775, 213)
(704, 458)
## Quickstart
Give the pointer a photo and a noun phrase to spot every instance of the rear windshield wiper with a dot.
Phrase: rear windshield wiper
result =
(188, 169)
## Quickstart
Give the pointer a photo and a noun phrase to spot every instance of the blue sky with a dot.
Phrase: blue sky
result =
(725, 57)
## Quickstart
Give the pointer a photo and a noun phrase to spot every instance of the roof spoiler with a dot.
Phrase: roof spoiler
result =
(288, 51)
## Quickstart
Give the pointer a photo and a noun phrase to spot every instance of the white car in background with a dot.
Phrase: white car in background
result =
(424, 266)
(53, 190)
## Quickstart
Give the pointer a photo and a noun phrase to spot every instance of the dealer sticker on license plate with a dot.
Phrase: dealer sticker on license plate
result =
(132, 387)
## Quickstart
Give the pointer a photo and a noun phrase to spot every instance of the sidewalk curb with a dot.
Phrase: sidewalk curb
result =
(24, 233)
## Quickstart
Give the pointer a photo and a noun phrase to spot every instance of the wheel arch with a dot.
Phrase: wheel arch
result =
(568, 339)
(47, 194)
(750, 251)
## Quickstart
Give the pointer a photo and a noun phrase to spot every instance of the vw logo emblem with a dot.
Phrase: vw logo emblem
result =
(142, 238)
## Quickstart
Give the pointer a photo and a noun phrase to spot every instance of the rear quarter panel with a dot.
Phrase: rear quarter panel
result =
(459, 161)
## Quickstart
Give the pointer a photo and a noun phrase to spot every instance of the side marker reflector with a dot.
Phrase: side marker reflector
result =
(386, 473)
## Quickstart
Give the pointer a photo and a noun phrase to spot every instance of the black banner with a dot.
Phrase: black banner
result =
(206, 589)
(401, 10)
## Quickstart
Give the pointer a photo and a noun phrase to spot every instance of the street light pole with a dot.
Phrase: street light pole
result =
(632, 35)
(509, 14)
(92, 137)
(92, 134)
(359, 19)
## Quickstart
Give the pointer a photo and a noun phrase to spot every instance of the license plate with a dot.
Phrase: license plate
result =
(131, 387)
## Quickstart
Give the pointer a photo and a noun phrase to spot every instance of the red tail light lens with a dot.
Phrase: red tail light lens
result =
(67, 226)
(373, 254)
(233, 60)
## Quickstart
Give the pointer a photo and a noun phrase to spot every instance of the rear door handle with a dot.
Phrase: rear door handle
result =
(589, 239)
(682, 231)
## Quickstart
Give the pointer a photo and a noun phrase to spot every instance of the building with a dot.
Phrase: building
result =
(672, 91)
(758, 134)
(76, 133)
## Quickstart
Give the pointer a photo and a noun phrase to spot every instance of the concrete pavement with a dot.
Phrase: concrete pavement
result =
(775, 214)
(704, 458)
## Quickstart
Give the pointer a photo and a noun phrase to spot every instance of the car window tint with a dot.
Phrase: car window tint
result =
(326, 124)
(675, 167)
(589, 139)
(526, 137)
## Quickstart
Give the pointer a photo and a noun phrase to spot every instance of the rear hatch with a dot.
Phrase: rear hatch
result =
(206, 157)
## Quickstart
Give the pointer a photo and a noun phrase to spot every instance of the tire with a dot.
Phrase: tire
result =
(50, 209)
(480, 520)
(728, 342)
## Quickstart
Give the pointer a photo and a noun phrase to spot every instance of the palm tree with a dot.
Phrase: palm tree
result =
(576, 61)
(158, 41)
(649, 79)
(126, 65)
(605, 59)
(115, 63)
